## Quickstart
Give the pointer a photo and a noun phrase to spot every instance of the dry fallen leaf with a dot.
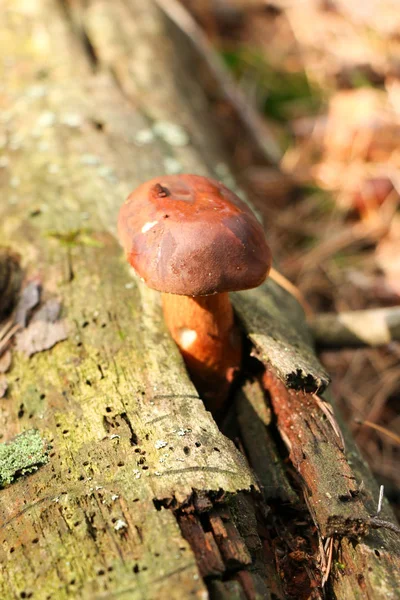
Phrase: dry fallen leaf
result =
(29, 298)
(40, 335)
(49, 312)
(44, 331)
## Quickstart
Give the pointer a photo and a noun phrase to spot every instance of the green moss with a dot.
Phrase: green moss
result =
(283, 94)
(22, 455)
(76, 237)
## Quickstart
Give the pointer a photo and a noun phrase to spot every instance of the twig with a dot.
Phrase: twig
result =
(292, 289)
(358, 328)
(376, 523)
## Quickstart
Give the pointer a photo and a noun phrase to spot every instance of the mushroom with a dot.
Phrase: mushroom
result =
(194, 240)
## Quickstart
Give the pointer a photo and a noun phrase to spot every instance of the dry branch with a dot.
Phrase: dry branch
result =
(358, 328)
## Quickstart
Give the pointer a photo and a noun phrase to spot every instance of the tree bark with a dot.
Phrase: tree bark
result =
(133, 491)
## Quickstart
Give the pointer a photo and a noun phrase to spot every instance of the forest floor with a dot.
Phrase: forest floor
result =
(329, 97)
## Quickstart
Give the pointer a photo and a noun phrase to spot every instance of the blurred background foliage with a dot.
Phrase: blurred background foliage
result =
(324, 75)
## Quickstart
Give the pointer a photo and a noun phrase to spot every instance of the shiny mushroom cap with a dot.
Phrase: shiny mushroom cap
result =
(190, 235)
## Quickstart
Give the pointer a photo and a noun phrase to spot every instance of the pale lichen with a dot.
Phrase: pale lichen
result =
(21, 456)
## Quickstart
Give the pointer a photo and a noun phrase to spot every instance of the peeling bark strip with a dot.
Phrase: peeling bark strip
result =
(85, 120)
(331, 490)
(226, 549)
(275, 324)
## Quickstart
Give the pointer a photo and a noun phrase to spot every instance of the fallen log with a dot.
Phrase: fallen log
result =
(133, 490)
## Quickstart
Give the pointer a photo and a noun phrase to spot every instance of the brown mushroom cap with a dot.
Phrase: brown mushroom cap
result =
(190, 235)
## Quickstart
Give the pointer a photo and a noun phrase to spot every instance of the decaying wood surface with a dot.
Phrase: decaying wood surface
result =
(135, 492)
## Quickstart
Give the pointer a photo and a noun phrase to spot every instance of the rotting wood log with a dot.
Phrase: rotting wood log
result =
(96, 98)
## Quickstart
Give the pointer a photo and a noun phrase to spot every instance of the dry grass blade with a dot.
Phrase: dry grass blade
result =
(387, 432)
(6, 334)
(6, 328)
(292, 289)
(328, 412)
(328, 548)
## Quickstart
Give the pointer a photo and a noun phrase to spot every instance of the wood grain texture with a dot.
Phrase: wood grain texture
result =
(114, 401)
(96, 98)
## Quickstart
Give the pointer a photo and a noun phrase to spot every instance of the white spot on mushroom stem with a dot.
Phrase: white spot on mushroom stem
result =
(187, 337)
(148, 226)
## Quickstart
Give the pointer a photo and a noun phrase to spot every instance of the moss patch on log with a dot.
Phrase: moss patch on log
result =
(21, 456)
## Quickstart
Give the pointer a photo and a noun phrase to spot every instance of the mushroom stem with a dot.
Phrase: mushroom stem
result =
(204, 329)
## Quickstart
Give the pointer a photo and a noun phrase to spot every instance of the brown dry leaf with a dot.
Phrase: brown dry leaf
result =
(29, 298)
(40, 335)
(49, 312)
(5, 361)
(361, 125)
(44, 331)
(3, 386)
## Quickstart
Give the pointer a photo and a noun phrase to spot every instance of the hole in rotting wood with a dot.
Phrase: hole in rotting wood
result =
(197, 444)
(97, 124)
(361, 580)
(133, 437)
(186, 450)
